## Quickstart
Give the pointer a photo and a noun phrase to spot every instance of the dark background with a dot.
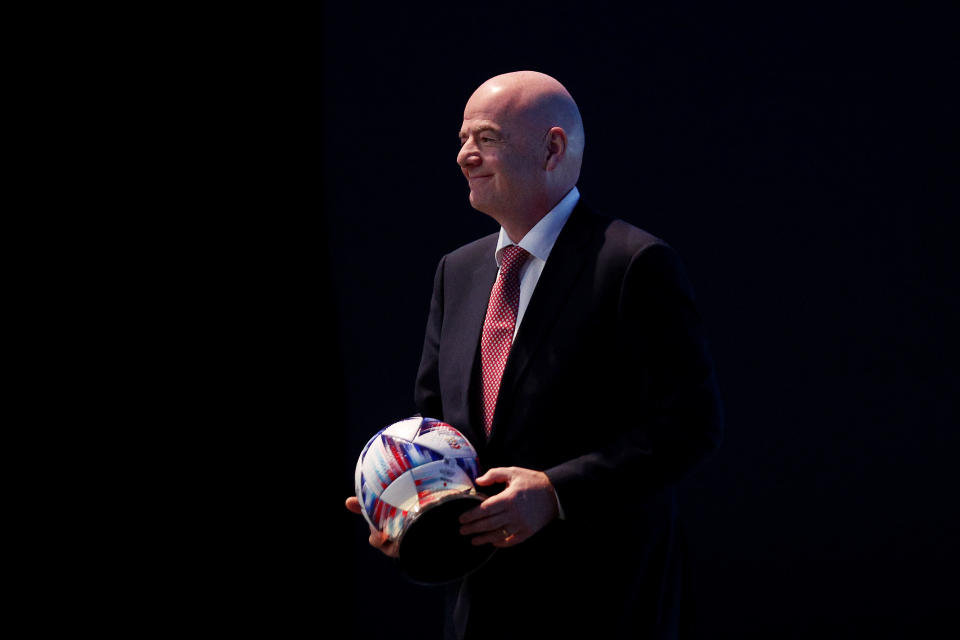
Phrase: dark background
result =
(797, 158)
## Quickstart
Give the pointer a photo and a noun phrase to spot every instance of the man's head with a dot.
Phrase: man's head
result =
(521, 147)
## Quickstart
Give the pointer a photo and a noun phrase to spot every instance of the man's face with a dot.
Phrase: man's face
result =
(498, 158)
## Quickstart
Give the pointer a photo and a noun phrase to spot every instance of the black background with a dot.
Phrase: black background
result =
(799, 160)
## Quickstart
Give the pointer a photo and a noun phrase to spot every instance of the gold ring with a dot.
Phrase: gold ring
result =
(506, 534)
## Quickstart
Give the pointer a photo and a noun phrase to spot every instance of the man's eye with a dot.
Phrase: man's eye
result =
(487, 139)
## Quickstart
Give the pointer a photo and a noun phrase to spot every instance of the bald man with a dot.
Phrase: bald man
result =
(587, 401)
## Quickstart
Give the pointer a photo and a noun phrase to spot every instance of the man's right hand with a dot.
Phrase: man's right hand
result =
(378, 539)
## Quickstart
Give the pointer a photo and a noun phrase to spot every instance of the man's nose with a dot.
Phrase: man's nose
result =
(468, 156)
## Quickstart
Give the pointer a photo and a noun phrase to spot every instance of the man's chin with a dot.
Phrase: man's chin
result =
(477, 202)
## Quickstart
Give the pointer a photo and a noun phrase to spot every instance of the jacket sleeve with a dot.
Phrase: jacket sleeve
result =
(427, 387)
(677, 419)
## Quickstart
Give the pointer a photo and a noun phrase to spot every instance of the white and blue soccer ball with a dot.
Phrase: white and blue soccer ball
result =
(409, 466)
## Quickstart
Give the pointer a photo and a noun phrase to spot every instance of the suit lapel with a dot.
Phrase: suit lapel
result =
(466, 335)
(553, 288)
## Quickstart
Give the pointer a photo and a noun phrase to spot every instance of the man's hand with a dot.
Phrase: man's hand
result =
(378, 539)
(527, 505)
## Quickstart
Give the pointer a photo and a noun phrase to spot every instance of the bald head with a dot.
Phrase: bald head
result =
(537, 99)
(522, 147)
(537, 102)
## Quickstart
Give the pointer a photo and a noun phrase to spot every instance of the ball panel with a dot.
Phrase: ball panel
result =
(402, 492)
(441, 476)
(368, 500)
(445, 440)
(414, 454)
(405, 429)
(470, 466)
(388, 518)
(380, 465)
(358, 476)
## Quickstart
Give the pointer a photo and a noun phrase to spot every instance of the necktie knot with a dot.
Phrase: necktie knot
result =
(512, 258)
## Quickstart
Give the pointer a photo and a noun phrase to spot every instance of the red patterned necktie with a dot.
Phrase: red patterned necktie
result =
(498, 328)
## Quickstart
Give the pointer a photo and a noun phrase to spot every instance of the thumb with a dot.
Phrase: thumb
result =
(353, 505)
(493, 476)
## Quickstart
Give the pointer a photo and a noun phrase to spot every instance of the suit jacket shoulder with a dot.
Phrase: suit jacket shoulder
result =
(473, 253)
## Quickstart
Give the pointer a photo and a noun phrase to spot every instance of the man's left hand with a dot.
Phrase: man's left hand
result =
(527, 505)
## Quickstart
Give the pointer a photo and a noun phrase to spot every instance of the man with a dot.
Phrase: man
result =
(577, 367)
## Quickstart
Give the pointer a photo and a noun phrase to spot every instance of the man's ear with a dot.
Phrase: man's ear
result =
(556, 148)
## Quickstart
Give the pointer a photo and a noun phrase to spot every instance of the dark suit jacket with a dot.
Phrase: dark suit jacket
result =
(610, 390)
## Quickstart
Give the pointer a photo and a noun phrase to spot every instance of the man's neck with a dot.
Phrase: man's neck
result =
(516, 231)
(517, 226)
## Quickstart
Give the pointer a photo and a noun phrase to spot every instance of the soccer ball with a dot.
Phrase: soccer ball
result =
(410, 466)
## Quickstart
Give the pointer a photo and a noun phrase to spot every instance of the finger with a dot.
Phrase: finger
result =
(487, 538)
(382, 542)
(509, 541)
(497, 537)
(353, 505)
(493, 476)
(378, 538)
(487, 508)
(493, 523)
(388, 545)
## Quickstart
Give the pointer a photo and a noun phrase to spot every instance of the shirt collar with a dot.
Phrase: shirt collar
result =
(539, 241)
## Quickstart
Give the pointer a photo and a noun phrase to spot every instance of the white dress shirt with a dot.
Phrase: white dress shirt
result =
(538, 243)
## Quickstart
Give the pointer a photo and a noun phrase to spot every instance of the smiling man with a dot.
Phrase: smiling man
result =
(567, 348)
(521, 148)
